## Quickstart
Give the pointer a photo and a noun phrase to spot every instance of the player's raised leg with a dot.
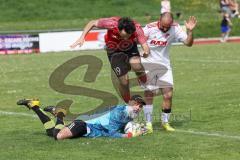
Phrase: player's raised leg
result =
(166, 108)
(120, 66)
(34, 104)
(124, 87)
(138, 68)
(59, 113)
(77, 128)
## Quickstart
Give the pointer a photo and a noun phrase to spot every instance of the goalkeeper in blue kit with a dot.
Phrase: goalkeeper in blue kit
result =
(109, 124)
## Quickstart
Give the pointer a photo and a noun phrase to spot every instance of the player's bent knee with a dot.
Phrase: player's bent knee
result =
(124, 83)
(137, 68)
(64, 134)
(60, 136)
(167, 96)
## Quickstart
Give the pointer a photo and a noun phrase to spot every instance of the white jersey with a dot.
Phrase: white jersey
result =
(159, 42)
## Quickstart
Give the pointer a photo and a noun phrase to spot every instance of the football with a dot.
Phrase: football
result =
(132, 127)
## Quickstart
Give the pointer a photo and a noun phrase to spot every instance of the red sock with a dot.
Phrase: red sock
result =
(126, 97)
(143, 78)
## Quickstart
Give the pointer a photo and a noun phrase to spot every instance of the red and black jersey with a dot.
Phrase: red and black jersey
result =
(113, 40)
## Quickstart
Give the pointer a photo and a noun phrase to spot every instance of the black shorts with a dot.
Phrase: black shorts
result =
(78, 128)
(119, 60)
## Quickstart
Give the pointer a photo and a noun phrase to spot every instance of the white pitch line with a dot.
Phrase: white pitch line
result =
(209, 134)
(208, 61)
(182, 131)
(17, 114)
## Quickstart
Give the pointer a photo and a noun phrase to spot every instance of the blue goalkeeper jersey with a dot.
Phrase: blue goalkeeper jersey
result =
(110, 124)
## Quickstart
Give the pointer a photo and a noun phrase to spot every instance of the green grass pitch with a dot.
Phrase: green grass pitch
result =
(206, 81)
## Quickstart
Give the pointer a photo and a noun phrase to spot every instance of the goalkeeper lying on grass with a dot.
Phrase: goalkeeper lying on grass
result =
(109, 124)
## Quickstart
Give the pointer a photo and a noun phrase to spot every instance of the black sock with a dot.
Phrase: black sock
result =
(59, 120)
(50, 132)
(42, 116)
(47, 121)
(59, 124)
(167, 110)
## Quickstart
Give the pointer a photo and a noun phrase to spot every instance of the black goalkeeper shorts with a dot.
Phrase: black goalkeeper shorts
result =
(78, 128)
(119, 60)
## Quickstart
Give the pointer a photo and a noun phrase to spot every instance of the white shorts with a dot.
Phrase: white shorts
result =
(158, 76)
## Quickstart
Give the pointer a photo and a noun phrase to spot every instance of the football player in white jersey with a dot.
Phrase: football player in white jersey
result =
(160, 36)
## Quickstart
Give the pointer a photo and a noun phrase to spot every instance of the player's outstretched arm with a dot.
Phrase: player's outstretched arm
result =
(190, 25)
(146, 50)
(87, 28)
(142, 39)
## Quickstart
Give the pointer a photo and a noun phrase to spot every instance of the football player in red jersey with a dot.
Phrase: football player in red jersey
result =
(121, 40)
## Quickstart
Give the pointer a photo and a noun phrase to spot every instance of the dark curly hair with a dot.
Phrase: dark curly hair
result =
(127, 24)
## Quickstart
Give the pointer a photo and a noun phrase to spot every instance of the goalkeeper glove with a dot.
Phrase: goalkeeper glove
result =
(134, 134)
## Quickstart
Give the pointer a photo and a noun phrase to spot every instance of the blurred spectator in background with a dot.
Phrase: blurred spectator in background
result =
(234, 7)
(225, 6)
(231, 7)
(165, 6)
(225, 27)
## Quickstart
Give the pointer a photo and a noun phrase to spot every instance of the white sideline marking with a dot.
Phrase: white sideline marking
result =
(182, 131)
(17, 114)
(209, 134)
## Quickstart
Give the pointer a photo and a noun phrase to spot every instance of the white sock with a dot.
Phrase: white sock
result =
(165, 117)
(148, 109)
(226, 37)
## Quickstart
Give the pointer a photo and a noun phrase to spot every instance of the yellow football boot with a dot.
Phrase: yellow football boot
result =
(167, 127)
(29, 103)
